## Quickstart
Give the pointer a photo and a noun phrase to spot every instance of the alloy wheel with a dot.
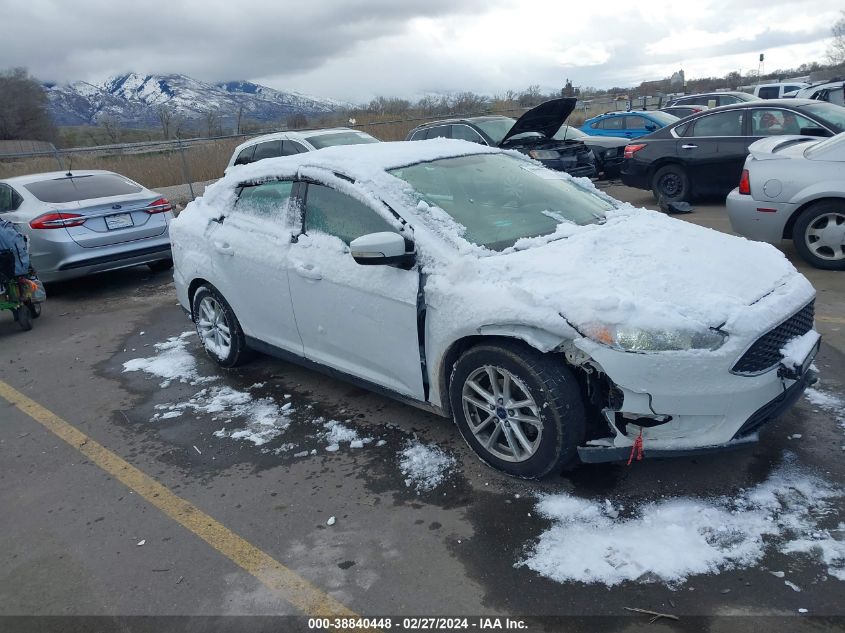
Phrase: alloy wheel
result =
(501, 413)
(213, 327)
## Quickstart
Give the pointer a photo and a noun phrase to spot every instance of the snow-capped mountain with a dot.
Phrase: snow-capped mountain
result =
(134, 99)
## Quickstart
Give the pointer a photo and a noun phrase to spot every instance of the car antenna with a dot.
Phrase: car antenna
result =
(69, 167)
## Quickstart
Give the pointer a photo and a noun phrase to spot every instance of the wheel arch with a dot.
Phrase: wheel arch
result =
(790, 223)
(192, 290)
(533, 338)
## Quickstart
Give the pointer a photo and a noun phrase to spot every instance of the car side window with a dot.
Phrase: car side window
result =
(267, 200)
(771, 122)
(466, 133)
(288, 148)
(611, 123)
(245, 157)
(635, 123)
(334, 213)
(296, 148)
(769, 92)
(721, 124)
(439, 131)
(419, 135)
(10, 199)
(268, 149)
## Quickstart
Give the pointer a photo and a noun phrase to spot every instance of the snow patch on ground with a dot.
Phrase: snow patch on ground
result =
(669, 541)
(337, 434)
(263, 418)
(827, 402)
(425, 466)
(172, 362)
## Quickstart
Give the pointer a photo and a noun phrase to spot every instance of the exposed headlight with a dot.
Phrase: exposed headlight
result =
(543, 154)
(640, 340)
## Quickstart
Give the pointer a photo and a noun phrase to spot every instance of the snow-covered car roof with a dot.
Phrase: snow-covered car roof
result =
(365, 163)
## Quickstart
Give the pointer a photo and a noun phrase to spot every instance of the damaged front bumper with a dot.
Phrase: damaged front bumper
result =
(609, 450)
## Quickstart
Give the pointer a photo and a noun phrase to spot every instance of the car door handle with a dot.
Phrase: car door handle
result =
(689, 146)
(309, 271)
(224, 247)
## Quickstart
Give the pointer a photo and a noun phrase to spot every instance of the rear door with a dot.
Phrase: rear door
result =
(249, 249)
(713, 148)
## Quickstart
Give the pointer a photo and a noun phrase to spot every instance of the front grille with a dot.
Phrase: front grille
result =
(765, 352)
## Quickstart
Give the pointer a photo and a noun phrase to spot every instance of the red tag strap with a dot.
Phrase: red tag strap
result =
(637, 448)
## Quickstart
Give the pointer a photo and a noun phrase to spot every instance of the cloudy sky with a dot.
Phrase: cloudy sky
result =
(358, 49)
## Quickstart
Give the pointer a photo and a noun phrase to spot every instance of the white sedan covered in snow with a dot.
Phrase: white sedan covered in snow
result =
(551, 321)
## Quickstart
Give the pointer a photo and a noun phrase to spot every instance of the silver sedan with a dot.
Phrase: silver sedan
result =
(87, 222)
(793, 187)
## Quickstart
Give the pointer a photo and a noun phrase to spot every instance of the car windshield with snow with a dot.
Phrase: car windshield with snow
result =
(552, 322)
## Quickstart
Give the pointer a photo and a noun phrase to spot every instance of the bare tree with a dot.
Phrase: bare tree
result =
(111, 126)
(212, 122)
(296, 121)
(23, 108)
(836, 52)
(165, 119)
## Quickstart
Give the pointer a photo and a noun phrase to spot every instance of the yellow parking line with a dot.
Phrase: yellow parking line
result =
(288, 584)
(830, 319)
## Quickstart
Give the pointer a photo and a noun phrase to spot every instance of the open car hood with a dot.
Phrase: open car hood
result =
(545, 119)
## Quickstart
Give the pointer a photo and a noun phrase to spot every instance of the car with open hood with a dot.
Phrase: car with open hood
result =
(552, 322)
(608, 150)
(533, 134)
(793, 187)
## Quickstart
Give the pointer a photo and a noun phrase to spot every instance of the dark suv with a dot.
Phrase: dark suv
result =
(533, 134)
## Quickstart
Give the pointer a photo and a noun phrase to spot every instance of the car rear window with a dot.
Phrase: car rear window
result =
(71, 189)
(340, 138)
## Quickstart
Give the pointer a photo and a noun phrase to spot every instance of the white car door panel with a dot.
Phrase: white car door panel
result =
(361, 320)
(250, 259)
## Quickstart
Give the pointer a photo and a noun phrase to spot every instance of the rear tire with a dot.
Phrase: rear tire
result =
(530, 423)
(34, 309)
(671, 183)
(161, 265)
(218, 328)
(819, 234)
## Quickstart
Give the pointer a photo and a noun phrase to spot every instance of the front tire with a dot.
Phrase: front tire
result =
(218, 328)
(24, 318)
(519, 410)
(819, 234)
(671, 183)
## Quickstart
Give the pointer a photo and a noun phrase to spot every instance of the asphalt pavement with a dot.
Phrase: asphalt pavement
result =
(106, 510)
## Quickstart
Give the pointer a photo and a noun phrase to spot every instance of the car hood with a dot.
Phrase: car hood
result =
(640, 269)
(545, 119)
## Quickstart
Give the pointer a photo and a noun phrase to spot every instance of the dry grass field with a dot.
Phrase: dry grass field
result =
(151, 167)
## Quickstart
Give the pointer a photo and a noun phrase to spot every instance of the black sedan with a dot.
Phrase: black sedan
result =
(533, 134)
(704, 153)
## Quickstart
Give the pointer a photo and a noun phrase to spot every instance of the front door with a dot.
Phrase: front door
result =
(361, 320)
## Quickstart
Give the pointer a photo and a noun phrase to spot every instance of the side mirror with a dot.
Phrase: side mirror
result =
(378, 249)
